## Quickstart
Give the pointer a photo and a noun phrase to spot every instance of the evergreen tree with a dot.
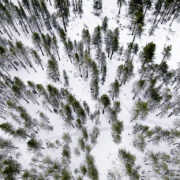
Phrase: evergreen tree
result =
(45, 15)
(37, 58)
(137, 24)
(63, 11)
(97, 37)
(127, 72)
(55, 45)
(52, 69)
(117, 128)
(23, 53)
(10, 168)
(19, 89)
(120, 3)
(66, 81)
(68, 114)
(147, 5)
(86, 38)
(104, 72)
(147, 55)
(6, 144)
(22, 133)
(104, 26)
(7, 128)
(115, 89)
(141, 109)
(54, 95)
(34, 144)
(86, 107)
(167, 52)
(97, 6)
(115, 42)
(37, 41)
(105, 101)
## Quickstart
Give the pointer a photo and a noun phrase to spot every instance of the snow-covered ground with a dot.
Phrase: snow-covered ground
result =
(105, 152)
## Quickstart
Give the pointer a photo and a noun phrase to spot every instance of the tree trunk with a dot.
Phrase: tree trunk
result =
(40, 49)
(112, 54)
(175, 15)
(64, 24)
(120, 8)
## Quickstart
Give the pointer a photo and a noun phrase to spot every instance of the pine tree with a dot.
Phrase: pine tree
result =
(148, 5)
(108, 41)
(115, 89)
(10, 168)
(53, 70)
(117, 128)
(127, 72)
(66, 81)
(63, 11)
(104, 26)
(22, 133)
(45, 15)
(158, 8)
(47, 43)
(34, 144)
(120, 3)
(137, 24)
(23, 53)
(27, 5)
(7, 128)
(147, 55)
(115, 42)
(68, 114)
(105, 101)
(141, 109)
(55, 45)
(69, 48)
(37, 41)
(104, 72)
(37, 58)
(6, 144)
(167, 52)
(86, 107)
(22, 17)
(97, 37)
(54, 95)
(5, 60)
(97, 6)
(86, 38)
(139, 86)
(19, 89)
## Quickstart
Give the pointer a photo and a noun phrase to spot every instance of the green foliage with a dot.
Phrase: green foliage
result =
(65, 175)
(141, 110)
(117, 128)
(53, 70)
(91, 169)
(97, 39)
(11, 169)
(33, 144)
(83, 169)
(7, 128)
(115, 89)
(147, 55)
(105, 24)
(105, 101)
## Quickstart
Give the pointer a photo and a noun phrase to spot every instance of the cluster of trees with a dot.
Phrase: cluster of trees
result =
(145, 135)
(156, 87)
(129, 164)
(164, 165)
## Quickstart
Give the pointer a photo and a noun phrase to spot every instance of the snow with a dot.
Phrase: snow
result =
(105, 151)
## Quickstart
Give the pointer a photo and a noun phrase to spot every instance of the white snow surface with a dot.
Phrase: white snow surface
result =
(105, 151)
